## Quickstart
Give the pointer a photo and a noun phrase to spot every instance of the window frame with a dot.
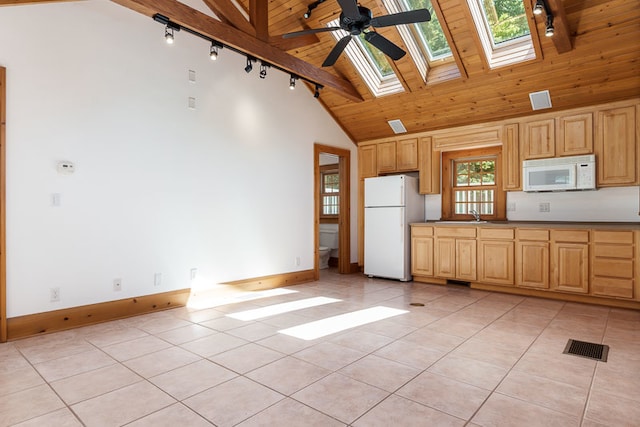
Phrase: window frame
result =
(449, 187)
(507, 53)
(329, 170)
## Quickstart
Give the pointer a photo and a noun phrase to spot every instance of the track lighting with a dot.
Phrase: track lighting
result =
(249, 66)
(292, 82)
(312, 6)
(168, 34)
(549, 30)
(263, 70)
(539, 7)
(213, 51)
(316, 94)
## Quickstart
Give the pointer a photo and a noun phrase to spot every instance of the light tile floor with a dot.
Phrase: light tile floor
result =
(466, 357)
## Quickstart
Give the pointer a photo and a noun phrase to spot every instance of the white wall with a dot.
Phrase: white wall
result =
(620, 204)
(226, 188)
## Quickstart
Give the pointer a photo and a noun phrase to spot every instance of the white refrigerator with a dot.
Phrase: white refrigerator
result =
(391, 203)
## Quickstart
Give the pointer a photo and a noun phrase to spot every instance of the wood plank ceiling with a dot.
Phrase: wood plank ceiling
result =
(594, 58)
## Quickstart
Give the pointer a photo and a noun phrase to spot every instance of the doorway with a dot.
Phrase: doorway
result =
(344, 206)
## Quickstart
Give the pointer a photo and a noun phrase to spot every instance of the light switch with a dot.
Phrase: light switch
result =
(55, 199)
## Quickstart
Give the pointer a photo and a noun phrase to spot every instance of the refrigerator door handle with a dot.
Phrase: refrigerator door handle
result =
(402, 195)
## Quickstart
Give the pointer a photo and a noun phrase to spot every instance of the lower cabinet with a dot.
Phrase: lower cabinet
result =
(455, 253)
(532, 258)
(422, 251)
(612, 264)
(496, 256)
(570, 261)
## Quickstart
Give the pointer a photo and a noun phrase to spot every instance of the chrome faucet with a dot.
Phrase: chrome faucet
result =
(475, 214)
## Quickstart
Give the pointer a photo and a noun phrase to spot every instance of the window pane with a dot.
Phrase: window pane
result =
(431, 33)
(506, 19)
(376, 57)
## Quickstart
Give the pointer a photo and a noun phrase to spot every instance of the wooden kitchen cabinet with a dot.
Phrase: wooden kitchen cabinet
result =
(496, 256)
(367, 161)
(616, 147)
(538, 139)
(422, 251)
(613, 264)
(455, 254)
(428, 167)
(511, 163)
(570, 261)
(532, 258)
(386, 153)
(574, 135)
(407, 154)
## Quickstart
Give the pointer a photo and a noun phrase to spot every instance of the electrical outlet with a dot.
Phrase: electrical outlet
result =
(54, 294)
(297, 261)
(193, 273)
(157, 279)
(117, 285)
(544, 207)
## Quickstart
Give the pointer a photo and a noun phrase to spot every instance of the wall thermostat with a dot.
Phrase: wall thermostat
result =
(66, 168)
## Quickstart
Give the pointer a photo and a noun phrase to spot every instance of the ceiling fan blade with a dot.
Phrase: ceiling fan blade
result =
(336, 51)
(387, 47)
(410, 17)
(350, 8)
(310, 31)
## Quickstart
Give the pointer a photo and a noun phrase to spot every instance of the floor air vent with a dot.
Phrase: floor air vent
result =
(587, 349)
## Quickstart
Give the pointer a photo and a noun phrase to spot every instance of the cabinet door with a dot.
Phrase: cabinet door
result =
(570, 267)
(466, 259)
(367, 163)
(511, 164)
(386, 156)
(616, 147)
(428, 167)
(532, 265)
(495, 262)
(422, 256)
(407, 154)
(575, 135)
(445, 257)
(538, 139)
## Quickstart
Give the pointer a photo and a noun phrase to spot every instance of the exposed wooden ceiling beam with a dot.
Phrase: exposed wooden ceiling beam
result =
(259, 18)
(293, 42)
(561, 36)
(232, 37)
(229, 14)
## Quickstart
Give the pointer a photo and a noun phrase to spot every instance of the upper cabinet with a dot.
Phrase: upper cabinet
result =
(429, 167)
(367, 161)
(407, 154)
(538, 139)
(617, 146)
(574, 135)
(386, 157)
(511, 163)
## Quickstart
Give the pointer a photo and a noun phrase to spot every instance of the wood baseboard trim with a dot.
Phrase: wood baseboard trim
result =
(586, 299)
(354, 267)
(74, 317)
(274, 281)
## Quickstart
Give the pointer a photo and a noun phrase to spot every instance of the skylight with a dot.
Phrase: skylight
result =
(425, 41)
(503, 30)
(372, 64)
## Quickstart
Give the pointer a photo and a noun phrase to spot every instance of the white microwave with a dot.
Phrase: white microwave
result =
(559, 174)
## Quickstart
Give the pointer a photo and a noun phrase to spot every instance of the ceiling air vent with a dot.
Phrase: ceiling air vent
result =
(540, 100)
(397, 126)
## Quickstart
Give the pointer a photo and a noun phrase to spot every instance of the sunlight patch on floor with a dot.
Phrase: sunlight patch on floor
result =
(286, 307)
(227, 295)
(331, 325)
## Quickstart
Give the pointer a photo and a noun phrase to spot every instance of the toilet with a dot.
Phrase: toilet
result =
(328, 242)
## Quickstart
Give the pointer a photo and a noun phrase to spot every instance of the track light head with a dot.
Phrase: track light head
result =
(168, 34)
(539, 7)
(316, 94)
(292, 82)
(213, 52)
(549, 30)
(263, 70)
(249, 66)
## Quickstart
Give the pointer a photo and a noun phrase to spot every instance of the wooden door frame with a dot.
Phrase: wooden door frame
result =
(344, 216)
(3, 246)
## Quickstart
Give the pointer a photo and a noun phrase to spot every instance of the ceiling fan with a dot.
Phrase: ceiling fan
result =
(355, 19)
